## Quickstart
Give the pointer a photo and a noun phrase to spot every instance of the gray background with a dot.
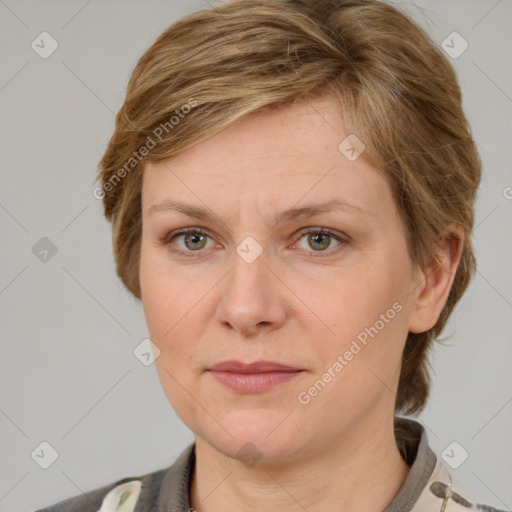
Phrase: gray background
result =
(68, 330)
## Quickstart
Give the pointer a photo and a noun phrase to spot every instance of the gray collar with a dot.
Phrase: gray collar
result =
(413, 445)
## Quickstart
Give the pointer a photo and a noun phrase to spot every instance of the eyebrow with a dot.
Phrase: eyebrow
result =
(287, 215)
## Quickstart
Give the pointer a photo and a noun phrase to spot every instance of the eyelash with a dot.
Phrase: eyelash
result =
(170, 237)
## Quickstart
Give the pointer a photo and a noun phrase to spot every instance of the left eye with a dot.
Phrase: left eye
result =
(320, 239)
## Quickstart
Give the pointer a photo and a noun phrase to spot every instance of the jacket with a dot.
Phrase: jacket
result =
(428, 486)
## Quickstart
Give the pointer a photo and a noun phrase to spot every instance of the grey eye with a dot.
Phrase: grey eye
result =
(194, 241)
(320, 241)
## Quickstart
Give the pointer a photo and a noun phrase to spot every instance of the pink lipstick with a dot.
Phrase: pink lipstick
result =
(254, 377)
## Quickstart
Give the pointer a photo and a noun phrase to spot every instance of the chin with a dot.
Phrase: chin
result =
(256, 434)
(260, 451)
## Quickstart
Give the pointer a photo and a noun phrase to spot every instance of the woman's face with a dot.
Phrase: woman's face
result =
(334, 304)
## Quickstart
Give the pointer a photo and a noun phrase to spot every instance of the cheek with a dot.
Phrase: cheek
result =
(164, 296)
(353, 300)
(161, 304)
(365, 308)
(357, 365)
(170, 321)
(175, 314)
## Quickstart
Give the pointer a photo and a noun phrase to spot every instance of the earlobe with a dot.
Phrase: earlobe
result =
(435, 281)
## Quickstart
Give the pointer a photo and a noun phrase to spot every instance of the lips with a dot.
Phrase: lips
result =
(256, 367)
(253, 377)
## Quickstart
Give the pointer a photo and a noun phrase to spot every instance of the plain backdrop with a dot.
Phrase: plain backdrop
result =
(68, 327)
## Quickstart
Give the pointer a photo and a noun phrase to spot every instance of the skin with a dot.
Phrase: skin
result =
(295, 304)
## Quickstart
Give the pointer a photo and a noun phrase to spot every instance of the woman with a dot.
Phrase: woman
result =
(291, 186)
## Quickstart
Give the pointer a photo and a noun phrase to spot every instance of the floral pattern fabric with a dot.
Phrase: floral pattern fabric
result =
(442, 495)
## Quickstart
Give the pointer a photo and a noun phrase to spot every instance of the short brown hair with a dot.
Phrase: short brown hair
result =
(397, 92)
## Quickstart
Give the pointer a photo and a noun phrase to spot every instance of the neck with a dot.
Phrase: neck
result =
(363, 470)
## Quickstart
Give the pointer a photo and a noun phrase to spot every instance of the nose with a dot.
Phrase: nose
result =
(253, 300)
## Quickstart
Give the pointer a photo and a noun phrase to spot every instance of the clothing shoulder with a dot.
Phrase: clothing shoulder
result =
(444, 493)
(119, 496)
(429, 486)
(138, 493)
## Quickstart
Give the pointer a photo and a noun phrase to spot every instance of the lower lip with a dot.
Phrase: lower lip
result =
(253, 382)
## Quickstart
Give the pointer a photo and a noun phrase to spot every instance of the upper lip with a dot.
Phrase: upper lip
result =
(255, 367)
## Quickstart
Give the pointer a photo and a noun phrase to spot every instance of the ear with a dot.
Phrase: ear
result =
(434, 282)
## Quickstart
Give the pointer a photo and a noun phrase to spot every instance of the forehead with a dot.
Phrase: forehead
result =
(278, 156)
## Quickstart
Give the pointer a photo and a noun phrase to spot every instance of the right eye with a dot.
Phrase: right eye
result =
(194, 239)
